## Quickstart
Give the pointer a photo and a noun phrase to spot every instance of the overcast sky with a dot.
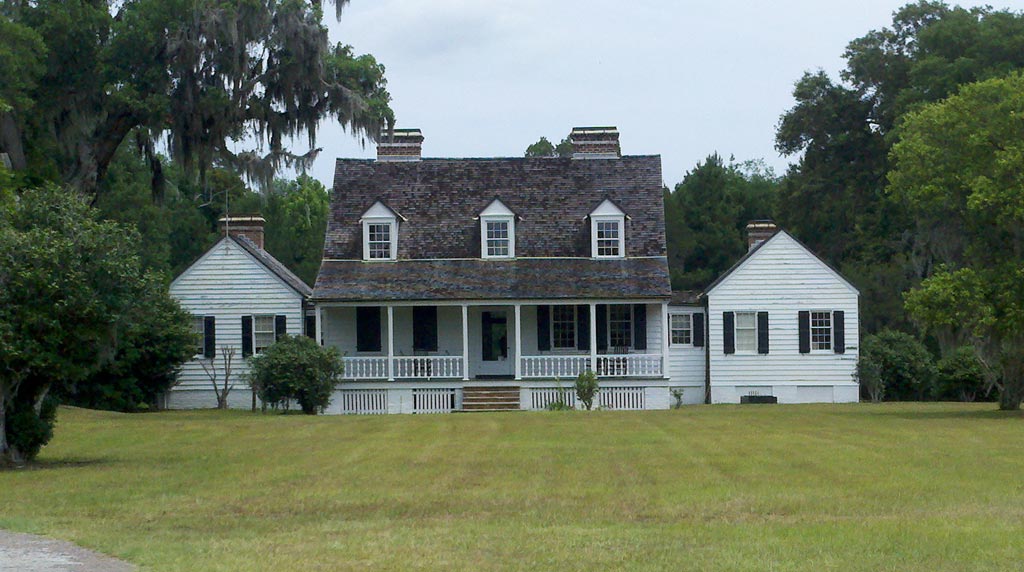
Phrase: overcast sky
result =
(486, 78)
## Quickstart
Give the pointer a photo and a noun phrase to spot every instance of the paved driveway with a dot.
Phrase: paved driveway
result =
(29, 553)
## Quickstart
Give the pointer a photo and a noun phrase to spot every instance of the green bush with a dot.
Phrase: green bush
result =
(586, 388)
(905, 367)
(677, 397)
(296, 368)
(961, 376)
(28, 432)
(869, 375)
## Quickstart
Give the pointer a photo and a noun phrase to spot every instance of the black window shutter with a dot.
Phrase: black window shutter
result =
(697, 322)
(762, 332)
(639, 326)
(729, 332)
(543, 328)
(583, 327)
(804, 321)
(602, 327)
(246, 336)
(310, 326)
(839, 331)
(209, 336)
(424, 328)
(280, 326)
(368, 329)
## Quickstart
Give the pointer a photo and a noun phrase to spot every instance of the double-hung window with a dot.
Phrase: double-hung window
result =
(681, 329)
(263, 333)
(607, 231)
(563, 327)
(378, 241)
(199, 329)
(620, 327)
(609, 235)
(498, 238)
(821, 331)
(746, 332)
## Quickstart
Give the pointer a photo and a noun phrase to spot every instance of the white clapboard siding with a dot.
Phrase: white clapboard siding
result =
(782, 278)
(686, 363)
(228, 283)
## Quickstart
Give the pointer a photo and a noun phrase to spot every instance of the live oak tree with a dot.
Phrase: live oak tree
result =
(959, 168)
(224, 82)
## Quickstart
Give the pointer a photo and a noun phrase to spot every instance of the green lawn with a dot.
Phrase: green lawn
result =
(850, 487)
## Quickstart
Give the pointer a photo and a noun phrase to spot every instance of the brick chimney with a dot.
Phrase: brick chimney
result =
(249, 226)
(400, 145)
(595, 143)
(759, 231)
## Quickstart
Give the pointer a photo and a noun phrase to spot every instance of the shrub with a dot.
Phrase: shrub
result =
(296, 367)
(677, 397)
(586, 388)
(961, 376)
(869, 375)
(904, 365)
(561, 403)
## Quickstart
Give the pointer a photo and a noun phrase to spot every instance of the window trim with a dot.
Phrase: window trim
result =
(201, 321)
(392, 235)
(256, 350)
(736, 332)
(498, 218)
(629, 330)
(831, 331)
(671, 330)
(620, 221)
(574, 329)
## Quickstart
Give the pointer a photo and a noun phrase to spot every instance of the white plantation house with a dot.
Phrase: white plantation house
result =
(491, 283)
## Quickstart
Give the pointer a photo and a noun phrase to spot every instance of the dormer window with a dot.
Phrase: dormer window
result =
(608, 231)
(497, 231)
(380, 233)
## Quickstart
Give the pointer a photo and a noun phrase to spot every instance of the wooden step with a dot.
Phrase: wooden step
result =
(490, 398)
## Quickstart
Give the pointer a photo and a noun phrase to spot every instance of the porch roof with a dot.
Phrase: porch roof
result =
(474, 279)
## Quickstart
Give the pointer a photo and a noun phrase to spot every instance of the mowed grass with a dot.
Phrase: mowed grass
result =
(897, 487)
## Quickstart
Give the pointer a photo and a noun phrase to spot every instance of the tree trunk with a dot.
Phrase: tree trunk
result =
(4, 448)
(1013, 387)
(10, 141)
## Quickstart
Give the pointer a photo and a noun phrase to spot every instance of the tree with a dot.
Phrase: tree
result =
(68, 282)
(202, 75)
(904, 368)
(706, 215)
(220, 379)
(959, 168)
(961, 375)
(156, 340)
(544, 148)
(296, 367)
(296, 213)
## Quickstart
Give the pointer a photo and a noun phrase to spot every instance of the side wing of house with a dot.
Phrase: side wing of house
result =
(687, 344)
(230, 288)
(783, 323)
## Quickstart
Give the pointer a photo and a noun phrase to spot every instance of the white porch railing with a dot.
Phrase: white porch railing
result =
(365, 368)
(629, 365)
(562, 366)
(424, 367)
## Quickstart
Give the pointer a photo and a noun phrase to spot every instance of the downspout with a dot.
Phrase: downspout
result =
(707, 352)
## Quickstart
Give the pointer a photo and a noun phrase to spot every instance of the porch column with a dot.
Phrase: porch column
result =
(465, 342)
(666, 329)
(319, 325)
(593, 337)
(519, 342)
(391, 343)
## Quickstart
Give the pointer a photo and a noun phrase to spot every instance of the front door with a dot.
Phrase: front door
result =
(494, 332)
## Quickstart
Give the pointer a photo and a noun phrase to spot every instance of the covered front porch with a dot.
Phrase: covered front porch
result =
(495, 341)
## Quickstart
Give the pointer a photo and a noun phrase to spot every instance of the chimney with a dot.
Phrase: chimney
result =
(759, 231)
(400, 145)
(249, 226)
(595, 143)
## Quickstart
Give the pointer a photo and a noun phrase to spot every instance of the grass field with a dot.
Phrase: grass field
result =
(897, 487)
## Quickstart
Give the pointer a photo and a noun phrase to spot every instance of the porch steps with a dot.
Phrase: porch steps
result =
(483, 398)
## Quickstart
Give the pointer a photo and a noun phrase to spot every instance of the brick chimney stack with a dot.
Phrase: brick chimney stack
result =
(759, 231)
(400, 145)
(249, 226)
(595, 143)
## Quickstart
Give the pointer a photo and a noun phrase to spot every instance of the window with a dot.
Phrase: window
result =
(681, 329)
(498, 238)
(609, 234)
(821, 331)
(746, 332)
(563, 327)
(620, 327)
(199, 329)
(378, 241)
(263, 332)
